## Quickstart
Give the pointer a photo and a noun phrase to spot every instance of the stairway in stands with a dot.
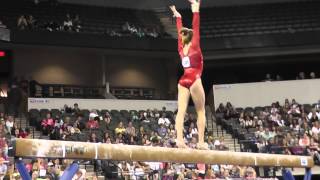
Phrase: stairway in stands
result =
(167, 20)
(22, 123)
(230, 142)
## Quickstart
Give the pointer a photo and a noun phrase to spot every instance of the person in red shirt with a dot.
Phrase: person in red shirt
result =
(190, 83)
(93, 123)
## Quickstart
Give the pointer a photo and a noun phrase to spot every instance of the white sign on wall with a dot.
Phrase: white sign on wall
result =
(116, 104)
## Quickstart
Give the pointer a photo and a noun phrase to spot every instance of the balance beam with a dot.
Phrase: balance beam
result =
(30, 148)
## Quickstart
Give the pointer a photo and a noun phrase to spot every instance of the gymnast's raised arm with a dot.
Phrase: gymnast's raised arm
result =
(195, 7)
(179, 25)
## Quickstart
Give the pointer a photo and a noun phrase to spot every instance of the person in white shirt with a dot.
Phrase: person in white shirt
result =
(315, 128)
(9, 123)
(312, 113)
(164, 120)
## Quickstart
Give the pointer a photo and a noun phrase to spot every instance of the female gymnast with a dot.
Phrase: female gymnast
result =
(190, 83)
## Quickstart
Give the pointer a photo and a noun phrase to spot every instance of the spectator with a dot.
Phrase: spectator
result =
(79, 123)
(130, 130)
(67, 23)
(194, 129)
(22, 23)
(315, 129)
(106, 137)
(248, 122)
(2, 25)
(120, 129)
(278, 77)
(134, 116)
(304, 141)
(9, 123)
(52, 26)
(93, 138)
(47, 124)
(76, 110)
(168, 172)
(77, 24)
(268, 77)
(312, 75)
(3, 168)
(31, 22)
(314, 115)
(164, 120)
(105, 123)
(93, 114)
(162, 130)
(301, 76)
(93, 123)
(171, 129)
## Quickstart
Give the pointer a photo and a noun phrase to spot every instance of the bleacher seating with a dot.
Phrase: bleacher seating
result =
(93, 19)
(260, 19)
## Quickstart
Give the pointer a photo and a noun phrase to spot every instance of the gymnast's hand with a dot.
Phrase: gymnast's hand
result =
(195, 5)
(175, 12)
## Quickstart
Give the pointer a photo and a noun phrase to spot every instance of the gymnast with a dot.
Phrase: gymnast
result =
(190, 83)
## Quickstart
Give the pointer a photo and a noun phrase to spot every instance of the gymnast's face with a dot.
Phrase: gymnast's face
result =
(186, 35)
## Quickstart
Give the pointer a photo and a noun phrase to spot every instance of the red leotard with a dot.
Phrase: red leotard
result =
(193, 61)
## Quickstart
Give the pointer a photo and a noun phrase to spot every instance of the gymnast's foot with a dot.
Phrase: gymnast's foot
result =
(181, 144)
(202, 146)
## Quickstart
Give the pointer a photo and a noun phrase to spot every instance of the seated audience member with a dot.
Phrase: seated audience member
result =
(130, 130)
(2, 25)
(93, 114)
(220, 109)
(278, 78)
(134, 116)
(94, 138)
(120, 128)
(106, 137)
(31, 22)
(67, 23)
(301, 76)
(9, 123)
(164, 120)
(312, 75)
(304, 141)
(80, 123)
(77, 24)
(76, 110)
(162, 130)
(105, 123)
(93, 123)
(314, 115)
(315, 128)
(248, 122)
(194, 129)
(47, 124)
(3, 168)
(52, 26)
(22, 23)
(242, 120)
(168, 171)
(268, 77)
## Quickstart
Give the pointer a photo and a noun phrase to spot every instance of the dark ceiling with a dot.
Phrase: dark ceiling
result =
(151, 4)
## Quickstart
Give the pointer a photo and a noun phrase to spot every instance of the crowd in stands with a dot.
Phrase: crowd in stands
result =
(126, 26)
(69, 24)
(300, 76)
(288, 128)
(147, 128)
